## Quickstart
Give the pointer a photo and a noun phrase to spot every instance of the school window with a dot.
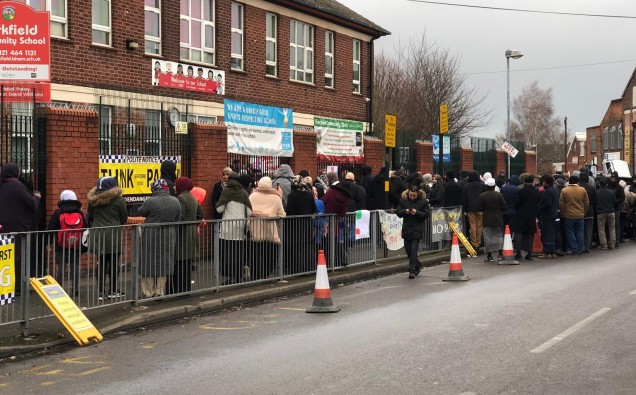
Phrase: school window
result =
(102, 33)
(593, 144)
(22, 136)
(197, 31)
(605, 139)
(581, 148)
(236, 62)
(153, 133)
(152, 17)
(57, 9)
(329, 49)
(105, 129)
(356, 66)
(271, 34)
(301, 52)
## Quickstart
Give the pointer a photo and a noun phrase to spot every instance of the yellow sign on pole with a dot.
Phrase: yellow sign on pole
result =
(389, 130)
(443, 118)
(66, 310)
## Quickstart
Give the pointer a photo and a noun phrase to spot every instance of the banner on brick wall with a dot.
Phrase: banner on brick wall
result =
(135, 174)
(7, 269)
(339, 140)
(253, 129)
(188, 77)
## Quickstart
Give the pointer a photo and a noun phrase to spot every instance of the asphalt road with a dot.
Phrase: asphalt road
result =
(564, 326)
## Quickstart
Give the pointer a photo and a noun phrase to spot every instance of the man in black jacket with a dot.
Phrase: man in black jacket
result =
(453, 192)
(620, 199)
(414, 210)
(493, 205)
(605, 203)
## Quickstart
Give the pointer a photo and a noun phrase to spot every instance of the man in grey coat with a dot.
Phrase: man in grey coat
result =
(158, 242)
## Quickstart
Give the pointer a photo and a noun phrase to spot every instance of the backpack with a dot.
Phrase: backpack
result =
(70, 233)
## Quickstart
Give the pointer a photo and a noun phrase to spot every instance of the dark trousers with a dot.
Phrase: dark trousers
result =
(560, 238)
(523, 241)
(411, 247)
(70, 257)
(547, 227)
(619, 226)
(180, 281)
(108, 266)
(588, 225)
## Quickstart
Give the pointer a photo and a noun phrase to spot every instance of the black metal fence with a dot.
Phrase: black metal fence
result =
(484, 154)
(518, 163)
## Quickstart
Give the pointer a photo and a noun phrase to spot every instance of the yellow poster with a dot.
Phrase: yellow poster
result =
(7, 270)
(134, 174)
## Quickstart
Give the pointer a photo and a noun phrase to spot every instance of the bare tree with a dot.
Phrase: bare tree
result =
(415, 81)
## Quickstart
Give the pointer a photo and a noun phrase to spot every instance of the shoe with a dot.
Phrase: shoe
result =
(500, 257)
(115, 295)
(411, 276)
(417, 272)
(529, 258)
(100, 296)
(586, 251)
(604, 248)
(489, 258)
(612, 248)
(559, 253)
(518, 257)
(545, 256)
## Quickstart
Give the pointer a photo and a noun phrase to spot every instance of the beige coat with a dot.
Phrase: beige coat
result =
(573, 202)
(266, 202)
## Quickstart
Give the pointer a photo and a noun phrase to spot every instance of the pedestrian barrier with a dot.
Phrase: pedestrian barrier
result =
(507, 253)
(455, 269)
(322, 293)
(132, 263)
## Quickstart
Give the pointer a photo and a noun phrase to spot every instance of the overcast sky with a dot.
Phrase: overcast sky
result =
(480, 38)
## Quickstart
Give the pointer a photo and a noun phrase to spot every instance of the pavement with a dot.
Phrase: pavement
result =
(48, 334)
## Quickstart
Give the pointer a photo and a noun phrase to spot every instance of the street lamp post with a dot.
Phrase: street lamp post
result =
(514, 55)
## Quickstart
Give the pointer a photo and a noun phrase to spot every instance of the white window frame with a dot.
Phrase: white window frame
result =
(269, 39)
(156, 40)
(307, 50)
(105, 135)
(55, 19)
(22, 131)
(357, 45)
(204, 23)
(104, 28)
(236, 59)
(329, 57)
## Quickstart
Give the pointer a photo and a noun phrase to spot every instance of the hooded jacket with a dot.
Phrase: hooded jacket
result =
(20, 207)
(509, 192)
(336, 200)
(266, 203)
(169, 173)
(283, 178)
(472, 190)
(64, 207)
(106, 208)
(413, 226)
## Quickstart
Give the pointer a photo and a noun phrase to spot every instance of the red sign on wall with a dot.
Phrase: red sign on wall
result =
(25, 92)
(25, 49)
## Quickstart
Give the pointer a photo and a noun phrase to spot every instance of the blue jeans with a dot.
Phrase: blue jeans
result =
(574, 230)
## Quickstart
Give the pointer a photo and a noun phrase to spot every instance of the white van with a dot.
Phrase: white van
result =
(619, 166)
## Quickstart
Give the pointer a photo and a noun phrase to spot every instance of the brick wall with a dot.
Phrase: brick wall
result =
(304, 146)
(374, 153)
(72, 152)
(466, 158)
(424, 157)
(78, 62)
(502, 162)
(530, 166)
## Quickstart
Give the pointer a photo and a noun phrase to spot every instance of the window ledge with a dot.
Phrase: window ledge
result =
(238, 71)
(62, 39)
(195, 63)
(271, 77)
(302, 83)
(153, 56)
(102, 46)
(330, 88)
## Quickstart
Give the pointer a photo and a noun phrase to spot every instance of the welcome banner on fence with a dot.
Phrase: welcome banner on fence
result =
(440, 218)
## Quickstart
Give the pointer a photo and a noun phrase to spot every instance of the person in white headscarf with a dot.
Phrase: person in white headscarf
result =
(487, 176)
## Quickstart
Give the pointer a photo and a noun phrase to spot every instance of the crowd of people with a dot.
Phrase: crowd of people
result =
(573, 215)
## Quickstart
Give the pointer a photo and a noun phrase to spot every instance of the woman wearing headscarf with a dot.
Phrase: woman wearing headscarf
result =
(157, 241)
(106, 208)
(235, 206)
(283, 179)
(217, 189)
(266, 203)
(436, 196)
(19, 213)
(187, 236)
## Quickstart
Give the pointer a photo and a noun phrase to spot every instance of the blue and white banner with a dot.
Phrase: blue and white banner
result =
(447, 155)
(253, 129)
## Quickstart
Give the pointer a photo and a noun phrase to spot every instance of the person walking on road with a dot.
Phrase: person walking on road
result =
(573, 204)
(414, 210)
(606, 218)
(493, 205)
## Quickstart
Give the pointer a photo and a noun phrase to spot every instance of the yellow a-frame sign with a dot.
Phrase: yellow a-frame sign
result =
(66, 310)
(469, 248)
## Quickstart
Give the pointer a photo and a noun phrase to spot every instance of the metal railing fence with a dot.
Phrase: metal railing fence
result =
(134, 263)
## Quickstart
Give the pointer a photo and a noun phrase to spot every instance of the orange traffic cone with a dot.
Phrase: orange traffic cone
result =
(508, 253)
(455, 270)
(537, 246)
(322, 294)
